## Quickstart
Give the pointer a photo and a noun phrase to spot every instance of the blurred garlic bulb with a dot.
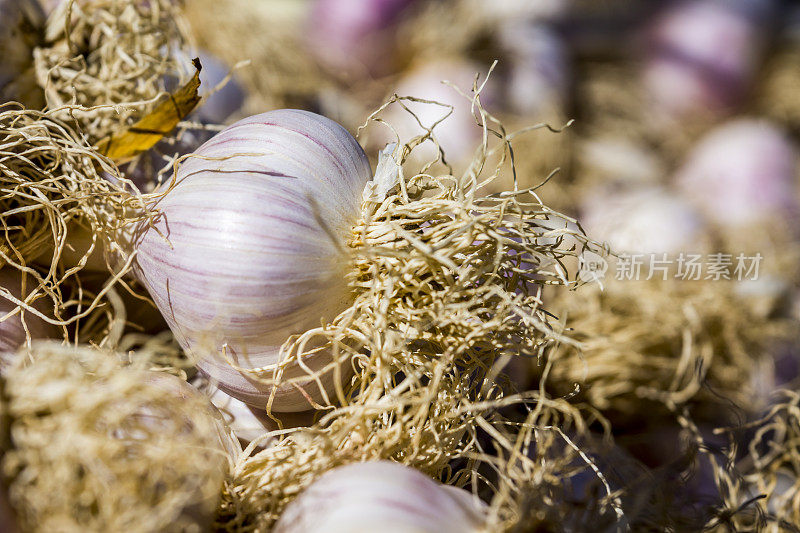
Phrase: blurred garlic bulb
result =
(99, 445)
(644, 221)
(355, 36)
(12, 330)
(20, 24)
(248, 249)
(742, 172)
(458, 134)
(702, 56)
(381, 496)
(538, 77)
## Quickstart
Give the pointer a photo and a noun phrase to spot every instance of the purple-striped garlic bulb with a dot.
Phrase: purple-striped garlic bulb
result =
(702, 56)
(645, 221)
(355, 36)
(12, 330)
(741, 173)
(381, 496)
(248, 251)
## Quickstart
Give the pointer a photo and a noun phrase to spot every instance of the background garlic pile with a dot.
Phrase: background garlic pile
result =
(402, 265)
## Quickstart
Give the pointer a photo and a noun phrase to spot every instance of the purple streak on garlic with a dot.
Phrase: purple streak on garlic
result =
(644, 221)
(458, 135)
(702, 56)
(246, 261)
(742, 172)
(538, 77)
(355, 35)
(12, 331)
(381, 496)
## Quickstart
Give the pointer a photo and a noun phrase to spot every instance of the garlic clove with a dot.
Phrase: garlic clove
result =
(381, 496)
(248, 423)
(249, 250)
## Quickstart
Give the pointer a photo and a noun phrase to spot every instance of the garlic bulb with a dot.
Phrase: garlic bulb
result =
(649, 220)
(381, 496)
(355, 36)
(104, 446)
(12, 330)
(742, 172)
(248, 250)
(458, 135)
(702, 57)
(538, 76)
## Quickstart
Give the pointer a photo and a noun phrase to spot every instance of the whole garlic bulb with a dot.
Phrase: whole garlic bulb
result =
(12, 331)
(458, 134)
(248, 248)
(381, 496)
(742, 172)
(644, 221)
(702, 57)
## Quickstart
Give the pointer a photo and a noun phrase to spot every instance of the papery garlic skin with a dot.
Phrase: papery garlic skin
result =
(12, 331)
(381, 496)
(252, 247)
